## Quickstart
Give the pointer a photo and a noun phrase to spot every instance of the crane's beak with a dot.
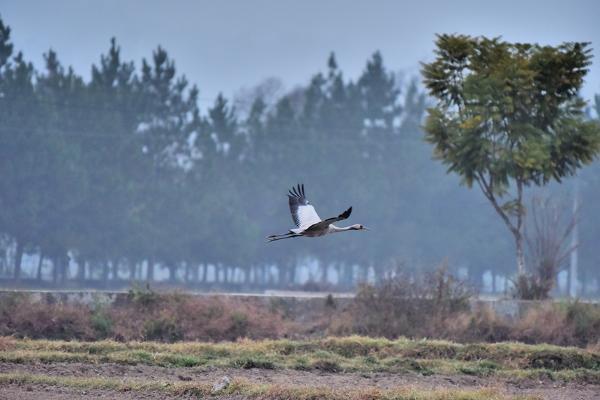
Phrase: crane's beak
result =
(365, 228)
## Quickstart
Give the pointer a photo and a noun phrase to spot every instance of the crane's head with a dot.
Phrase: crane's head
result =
(359, 227)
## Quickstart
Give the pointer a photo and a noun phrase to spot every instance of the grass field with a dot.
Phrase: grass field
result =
(331, 368)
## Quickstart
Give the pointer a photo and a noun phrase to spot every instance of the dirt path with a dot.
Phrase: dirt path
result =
(546, 389)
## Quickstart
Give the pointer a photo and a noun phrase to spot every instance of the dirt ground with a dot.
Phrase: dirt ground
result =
(546, 389)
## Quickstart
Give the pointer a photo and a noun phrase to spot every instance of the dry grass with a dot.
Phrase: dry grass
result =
(247, 389)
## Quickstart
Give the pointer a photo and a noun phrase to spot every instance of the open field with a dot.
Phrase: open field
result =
(331, 368)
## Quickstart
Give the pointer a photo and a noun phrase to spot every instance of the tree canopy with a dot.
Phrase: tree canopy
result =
(509, 116)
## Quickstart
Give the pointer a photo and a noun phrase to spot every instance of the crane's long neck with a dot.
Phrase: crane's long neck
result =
(335, 229)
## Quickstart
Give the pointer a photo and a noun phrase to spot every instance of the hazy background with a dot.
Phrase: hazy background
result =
(86, 186)
(226, 45)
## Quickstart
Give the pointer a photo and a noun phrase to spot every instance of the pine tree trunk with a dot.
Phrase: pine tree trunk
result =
(64, 265)
(204, 273)
(18, 260)
(55, 269)
(105, 273)
(150, 270)
(292, 276)
(132, 270)
(186, 273)
(115, 270)
(81, 271)
(324, 273)
(39, 267)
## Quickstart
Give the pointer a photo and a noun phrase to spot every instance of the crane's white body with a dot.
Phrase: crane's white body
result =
(307, 220)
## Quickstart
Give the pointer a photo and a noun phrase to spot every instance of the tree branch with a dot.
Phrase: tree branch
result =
(487, 190)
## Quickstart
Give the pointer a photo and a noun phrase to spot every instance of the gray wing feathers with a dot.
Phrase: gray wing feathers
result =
(325, 223)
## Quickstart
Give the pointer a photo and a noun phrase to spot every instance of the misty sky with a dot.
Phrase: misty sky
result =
(226, 45)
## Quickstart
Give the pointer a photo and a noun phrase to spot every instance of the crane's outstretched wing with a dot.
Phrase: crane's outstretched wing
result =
(303, 213)
(326, 222)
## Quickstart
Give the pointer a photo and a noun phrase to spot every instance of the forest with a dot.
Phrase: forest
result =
(124, 177)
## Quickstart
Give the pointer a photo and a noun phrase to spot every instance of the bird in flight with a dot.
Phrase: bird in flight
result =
(307, 220)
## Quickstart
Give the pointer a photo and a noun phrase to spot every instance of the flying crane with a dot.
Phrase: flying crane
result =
(308, 223)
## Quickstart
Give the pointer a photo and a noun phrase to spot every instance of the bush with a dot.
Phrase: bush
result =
(162, 329)
(22, 317)
(401, 306)
(101, 324)
(532, 287)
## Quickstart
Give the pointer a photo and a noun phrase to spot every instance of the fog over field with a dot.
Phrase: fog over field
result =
(165, 155)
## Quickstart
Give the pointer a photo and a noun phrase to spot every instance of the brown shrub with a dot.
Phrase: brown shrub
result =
(543, 324)
(145, 316)
(22, 317)
(401, 306)
(180, 317)
(480, 325)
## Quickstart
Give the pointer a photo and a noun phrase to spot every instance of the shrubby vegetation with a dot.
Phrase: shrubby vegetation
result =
(437, 307)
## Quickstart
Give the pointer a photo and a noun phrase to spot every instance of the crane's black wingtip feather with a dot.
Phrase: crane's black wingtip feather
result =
(297, 191)
(346, 213)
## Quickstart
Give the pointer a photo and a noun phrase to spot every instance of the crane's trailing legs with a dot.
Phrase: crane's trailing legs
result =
(272, 238)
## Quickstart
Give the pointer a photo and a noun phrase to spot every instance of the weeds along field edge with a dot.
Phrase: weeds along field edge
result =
(333, 354)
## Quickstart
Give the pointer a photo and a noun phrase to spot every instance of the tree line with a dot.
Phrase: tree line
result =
(125, 176)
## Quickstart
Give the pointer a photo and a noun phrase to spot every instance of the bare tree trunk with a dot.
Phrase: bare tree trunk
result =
(520, 255)
(572, 286)
(519, 231)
